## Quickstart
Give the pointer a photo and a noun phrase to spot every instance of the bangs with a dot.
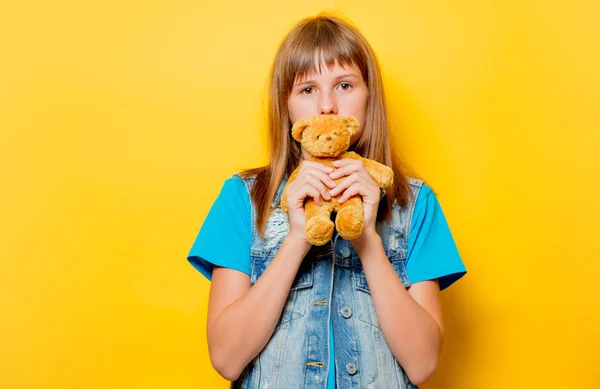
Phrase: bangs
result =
(319, 44)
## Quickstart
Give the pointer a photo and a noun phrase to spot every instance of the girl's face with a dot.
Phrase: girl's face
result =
(339, 91)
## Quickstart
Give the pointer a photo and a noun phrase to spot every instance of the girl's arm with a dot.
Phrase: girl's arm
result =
(411, 320)
(242, 319)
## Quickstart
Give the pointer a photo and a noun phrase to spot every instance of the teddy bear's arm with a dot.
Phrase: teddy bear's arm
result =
(383, 175)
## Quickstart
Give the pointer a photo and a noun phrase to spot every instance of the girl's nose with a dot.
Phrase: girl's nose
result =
(328, 109)
(328, 105)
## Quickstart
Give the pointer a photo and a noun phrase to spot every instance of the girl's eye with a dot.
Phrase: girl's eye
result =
(345, 86)
(307, 91)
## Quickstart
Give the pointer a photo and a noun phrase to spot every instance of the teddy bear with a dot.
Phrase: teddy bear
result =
(327, 138)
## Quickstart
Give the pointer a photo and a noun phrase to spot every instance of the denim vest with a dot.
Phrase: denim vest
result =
(297, 355)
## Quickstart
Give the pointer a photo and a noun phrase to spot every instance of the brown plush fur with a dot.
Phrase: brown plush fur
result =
(327, 137)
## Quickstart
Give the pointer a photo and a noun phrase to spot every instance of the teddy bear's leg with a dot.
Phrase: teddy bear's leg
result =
(350, 219)
(319, 227)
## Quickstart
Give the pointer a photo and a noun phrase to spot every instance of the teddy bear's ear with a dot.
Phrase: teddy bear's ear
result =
(298, 127)
(352, 124)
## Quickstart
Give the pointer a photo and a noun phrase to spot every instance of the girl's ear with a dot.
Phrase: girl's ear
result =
(299, 127)
(352, 124)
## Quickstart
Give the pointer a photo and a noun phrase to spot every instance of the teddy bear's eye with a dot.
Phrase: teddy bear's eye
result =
(318, 136)
(335, 133)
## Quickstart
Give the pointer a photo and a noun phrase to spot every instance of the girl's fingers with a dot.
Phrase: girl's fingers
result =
(354, 185)
(308, 187)
(344, 184)
(318, 174)
(346, 161)
(316, 180)
(318, 185)
(324, 178)
(312, 192)
(307, 191)
(353, 190)
(316, 165)
(344, 171)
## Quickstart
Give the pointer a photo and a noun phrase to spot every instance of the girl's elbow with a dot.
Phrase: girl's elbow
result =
(223, 365)
(420, 375)
(225, 370)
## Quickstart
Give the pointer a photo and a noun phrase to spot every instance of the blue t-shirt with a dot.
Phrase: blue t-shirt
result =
(225, 239)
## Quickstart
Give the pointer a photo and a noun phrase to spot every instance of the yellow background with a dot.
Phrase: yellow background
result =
(120, 120)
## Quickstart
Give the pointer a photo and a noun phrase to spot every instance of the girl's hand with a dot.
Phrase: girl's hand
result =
(312, 180)
(357, 181)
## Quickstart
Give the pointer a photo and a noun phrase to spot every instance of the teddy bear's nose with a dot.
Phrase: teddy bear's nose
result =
(328, 138)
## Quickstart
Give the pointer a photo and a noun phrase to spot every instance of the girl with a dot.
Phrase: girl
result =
(350, 314)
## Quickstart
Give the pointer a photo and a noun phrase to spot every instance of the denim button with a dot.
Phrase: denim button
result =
(345, 252)
(351, 368)
(346, 312)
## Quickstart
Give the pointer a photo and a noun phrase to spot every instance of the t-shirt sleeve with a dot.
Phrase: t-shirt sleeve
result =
(432, 253)
(226, 235)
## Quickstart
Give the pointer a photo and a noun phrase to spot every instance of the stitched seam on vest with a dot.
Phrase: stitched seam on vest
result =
(249, 191)
(411, 209)
(419, 185)
(330, 321)
(281, 339)
(400, 379)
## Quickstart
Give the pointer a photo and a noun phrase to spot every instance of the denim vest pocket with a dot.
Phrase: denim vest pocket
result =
(360, 278)
(364, 301)
(296, 304)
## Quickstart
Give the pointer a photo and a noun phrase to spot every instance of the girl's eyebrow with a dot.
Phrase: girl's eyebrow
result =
(338, 78)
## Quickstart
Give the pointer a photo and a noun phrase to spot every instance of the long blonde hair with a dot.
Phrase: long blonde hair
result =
(334, 41)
